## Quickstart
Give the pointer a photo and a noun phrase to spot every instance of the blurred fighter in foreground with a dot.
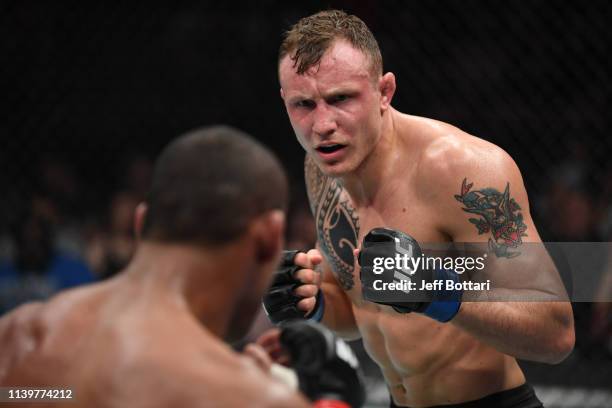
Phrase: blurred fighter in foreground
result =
(369, 166)
(211, 233)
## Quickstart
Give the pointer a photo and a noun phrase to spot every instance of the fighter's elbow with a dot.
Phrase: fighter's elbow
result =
(566, 345)
(561, 340)
(560, 347)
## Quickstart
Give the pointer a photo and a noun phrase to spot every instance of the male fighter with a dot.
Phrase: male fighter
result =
(153, 335)
(368, 166)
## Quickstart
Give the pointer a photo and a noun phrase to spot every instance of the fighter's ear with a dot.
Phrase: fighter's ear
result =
(386, 85)
(139, 219)
(268, 232)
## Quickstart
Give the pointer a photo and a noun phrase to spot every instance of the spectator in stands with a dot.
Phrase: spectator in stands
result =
(109, 250)
(37, 269)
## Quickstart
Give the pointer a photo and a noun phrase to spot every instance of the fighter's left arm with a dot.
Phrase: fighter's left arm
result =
(482, 199)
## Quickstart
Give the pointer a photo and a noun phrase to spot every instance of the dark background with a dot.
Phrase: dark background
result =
(90, 87)
(92, 83)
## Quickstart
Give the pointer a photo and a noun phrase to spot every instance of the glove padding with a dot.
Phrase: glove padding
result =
(325, 364)
(386, 243)
(280, 303)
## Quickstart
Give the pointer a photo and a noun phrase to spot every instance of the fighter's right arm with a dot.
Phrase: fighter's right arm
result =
(323, 196)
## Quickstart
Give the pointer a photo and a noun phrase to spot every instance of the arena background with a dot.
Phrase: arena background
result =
(92, 91)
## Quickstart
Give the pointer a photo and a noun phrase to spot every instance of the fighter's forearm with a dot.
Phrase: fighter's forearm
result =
(338, 314)
(541, 331)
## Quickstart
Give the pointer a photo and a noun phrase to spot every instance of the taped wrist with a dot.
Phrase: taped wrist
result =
(379, 244)
(319, 309)
(445, 303)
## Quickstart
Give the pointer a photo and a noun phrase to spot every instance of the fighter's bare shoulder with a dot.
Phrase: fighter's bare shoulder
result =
(452, 160)
(18, 316)
(14, 321)
(450, 153)
(15, 335)
(226, 381)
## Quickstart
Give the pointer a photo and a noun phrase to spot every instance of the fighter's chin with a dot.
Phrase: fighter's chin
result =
(335, 169)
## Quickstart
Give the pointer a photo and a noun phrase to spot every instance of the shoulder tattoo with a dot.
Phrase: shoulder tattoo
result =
(499, 214)
(336, 220)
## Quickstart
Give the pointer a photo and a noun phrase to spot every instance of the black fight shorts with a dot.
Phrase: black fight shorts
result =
(519, 397)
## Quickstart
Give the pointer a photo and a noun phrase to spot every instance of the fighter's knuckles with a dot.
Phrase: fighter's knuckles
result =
(306, 276)
(303, 259)
(307, 304)
(315, 256)
(306, 291)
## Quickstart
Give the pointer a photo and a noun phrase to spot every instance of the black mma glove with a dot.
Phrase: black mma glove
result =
(327, 369)
(280, 303)
(384, 243)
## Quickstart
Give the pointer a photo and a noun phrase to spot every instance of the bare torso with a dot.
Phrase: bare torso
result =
(424, 362)
(115, 345)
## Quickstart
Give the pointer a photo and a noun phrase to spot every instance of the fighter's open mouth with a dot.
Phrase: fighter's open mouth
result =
(329, 148)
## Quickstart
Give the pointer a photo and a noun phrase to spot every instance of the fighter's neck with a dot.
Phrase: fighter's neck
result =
(190, 278)
(376, 177)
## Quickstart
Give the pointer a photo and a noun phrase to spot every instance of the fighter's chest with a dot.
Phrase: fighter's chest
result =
(341, 226)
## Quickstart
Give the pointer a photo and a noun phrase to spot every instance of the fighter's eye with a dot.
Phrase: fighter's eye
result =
(338, 98)
(305, 103)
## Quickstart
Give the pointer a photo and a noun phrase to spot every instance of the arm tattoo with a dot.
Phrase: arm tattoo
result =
(499, 214)
(336, 220)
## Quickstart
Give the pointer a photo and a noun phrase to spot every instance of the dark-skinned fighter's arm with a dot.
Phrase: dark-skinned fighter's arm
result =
(453, 176)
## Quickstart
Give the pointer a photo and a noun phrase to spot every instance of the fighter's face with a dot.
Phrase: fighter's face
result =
(249, 303)
(265, 238)
(334, 108)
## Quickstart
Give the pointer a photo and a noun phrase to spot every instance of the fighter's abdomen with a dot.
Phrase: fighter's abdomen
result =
(424, 362)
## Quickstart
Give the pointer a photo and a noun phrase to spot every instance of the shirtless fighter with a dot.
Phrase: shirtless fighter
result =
(369, 166)
(211, 234)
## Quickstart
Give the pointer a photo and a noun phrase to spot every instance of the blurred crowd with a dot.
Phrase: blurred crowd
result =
(54, 240)
(51, 242)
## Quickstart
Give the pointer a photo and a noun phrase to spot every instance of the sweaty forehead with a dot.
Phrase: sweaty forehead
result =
(341, 63)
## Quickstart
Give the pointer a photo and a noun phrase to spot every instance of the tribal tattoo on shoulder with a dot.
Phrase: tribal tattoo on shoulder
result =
(336, 220)
(499, 214)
